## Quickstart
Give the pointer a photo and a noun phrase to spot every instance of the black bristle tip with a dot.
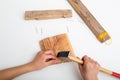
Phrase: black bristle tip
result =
(63, 54)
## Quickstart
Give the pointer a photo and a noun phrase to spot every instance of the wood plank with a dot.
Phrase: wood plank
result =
(57, 43)
(47, 14)
(90, 20)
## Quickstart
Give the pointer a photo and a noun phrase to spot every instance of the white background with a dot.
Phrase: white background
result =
(19, 39)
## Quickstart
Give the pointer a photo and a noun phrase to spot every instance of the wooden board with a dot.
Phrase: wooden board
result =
(57, 43)
(47, 14)
(90, 20)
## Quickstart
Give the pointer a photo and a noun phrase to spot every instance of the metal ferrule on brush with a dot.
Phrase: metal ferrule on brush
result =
(65, 55)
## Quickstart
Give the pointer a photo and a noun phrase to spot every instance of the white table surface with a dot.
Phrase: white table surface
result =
(19, 39)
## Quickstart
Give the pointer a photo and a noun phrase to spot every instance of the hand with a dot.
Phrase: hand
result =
(90, 69)
(44, 59)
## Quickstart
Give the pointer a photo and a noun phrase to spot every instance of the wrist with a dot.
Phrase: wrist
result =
(90, 78)
(29, 67)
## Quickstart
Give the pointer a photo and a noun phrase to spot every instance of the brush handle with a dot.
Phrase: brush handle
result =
(110, 72)
(101, 68)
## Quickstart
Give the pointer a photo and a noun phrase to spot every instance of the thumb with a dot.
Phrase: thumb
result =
(80, 67)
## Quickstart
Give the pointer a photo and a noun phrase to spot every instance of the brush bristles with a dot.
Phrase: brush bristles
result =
(63, 54)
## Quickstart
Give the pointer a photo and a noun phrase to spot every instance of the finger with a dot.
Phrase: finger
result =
(97, 64)
(58, 61)
(80, 67)
(51, 62)
(92, 60)
(49, 57)
(39, 53)
(86, 58)
(49, 52)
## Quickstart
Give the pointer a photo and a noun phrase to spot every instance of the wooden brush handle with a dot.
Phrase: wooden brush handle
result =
(110, 72)
(76, 59)
(101, 68)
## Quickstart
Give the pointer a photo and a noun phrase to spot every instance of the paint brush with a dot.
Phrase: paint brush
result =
(64, 55)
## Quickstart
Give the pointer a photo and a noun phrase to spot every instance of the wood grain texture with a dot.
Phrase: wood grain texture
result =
(57, 43)
(89, 19)
(47, 14)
